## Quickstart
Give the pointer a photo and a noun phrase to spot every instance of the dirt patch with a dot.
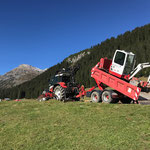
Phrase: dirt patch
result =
(144, 98)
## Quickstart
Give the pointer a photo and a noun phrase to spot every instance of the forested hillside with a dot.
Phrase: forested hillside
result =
(137, 41)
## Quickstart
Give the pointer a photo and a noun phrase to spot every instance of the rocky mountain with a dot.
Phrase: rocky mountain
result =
(19, 75)
(75, 58)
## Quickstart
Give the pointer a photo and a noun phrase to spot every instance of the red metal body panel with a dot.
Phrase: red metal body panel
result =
(143, 84)
(115, 74)
(121, 86)
(82, 91)
(49, 95)
(91, 89)
(105, 63)
(51, 90)
(62, 84)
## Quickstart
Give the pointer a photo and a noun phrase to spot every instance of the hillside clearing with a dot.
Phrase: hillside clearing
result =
(30, 124)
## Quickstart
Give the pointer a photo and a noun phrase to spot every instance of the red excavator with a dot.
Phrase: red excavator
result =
(118, 74)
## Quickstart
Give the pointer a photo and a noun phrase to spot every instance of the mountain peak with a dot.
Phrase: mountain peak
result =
(19, 75)
(29, 67)
(24, 65)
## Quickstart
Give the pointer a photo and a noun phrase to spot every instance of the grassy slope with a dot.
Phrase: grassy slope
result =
(73, 125)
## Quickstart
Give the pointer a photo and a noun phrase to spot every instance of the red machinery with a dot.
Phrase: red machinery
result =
(117, 74)
(46, 95)
(62, 86)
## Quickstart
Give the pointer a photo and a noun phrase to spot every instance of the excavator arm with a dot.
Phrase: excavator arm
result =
(139, 68)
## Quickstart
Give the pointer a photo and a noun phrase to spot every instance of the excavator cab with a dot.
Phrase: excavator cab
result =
(123, 63)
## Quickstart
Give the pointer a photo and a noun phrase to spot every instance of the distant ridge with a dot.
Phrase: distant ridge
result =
(19, 75)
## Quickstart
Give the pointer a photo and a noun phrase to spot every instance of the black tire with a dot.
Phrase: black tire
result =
(59, 93)
(126, 100)
(95, 97)
(107, 97)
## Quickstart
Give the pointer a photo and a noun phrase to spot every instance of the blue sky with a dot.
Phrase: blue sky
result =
(42, 33)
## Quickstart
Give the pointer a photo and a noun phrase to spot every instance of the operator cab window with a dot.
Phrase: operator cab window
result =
(119, 58)
(129, 64)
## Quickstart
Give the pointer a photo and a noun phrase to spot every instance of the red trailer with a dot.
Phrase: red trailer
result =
(116, 74)
(122, 88)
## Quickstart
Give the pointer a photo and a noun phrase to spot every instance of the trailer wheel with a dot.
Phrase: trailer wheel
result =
(59, 92)
(126, 100)
(107, 97)
(95, 97)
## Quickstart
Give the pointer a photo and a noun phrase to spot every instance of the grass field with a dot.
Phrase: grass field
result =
(34, 125)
